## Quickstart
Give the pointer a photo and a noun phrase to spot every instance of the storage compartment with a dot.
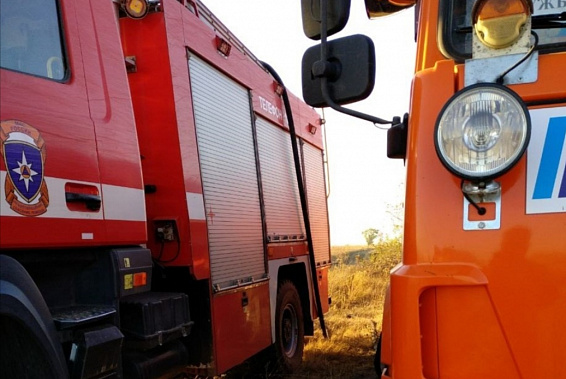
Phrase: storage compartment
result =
(154, 318)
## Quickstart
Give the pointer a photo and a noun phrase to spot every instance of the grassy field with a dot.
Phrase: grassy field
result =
(357, 282)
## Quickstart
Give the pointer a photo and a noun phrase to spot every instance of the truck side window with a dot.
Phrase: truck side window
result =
(31, 38)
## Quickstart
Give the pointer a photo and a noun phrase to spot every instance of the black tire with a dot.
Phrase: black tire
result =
(289, 328)
(29, 346)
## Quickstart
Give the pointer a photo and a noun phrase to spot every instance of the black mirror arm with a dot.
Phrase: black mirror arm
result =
(350, 112)
(324, 77)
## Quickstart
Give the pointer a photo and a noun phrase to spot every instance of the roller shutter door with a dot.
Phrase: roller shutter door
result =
(316, 198)
(229, 176)
(282, 203)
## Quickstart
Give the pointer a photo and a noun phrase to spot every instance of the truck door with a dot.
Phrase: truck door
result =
(111, 112)
(50, 185)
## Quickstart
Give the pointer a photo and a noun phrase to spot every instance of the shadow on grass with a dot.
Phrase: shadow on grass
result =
(317, 365)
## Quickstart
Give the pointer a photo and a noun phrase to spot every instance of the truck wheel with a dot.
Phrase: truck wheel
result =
(290, 331)
(30, 347)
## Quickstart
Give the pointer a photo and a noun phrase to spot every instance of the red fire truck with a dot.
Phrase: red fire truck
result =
(480, 291)
(163, 200)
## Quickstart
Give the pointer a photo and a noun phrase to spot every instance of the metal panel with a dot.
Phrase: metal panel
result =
(242, 324)
(229, 176)
(316, 198)
(281, 199)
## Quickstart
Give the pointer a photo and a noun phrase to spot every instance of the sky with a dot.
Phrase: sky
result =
(364, 183)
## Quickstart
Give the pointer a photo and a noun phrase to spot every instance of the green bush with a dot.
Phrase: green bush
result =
(386, 255)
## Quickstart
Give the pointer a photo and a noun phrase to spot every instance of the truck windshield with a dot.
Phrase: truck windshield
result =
(456, 26)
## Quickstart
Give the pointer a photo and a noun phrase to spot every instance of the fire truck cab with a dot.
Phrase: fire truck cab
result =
(480, 290)
(162, 198)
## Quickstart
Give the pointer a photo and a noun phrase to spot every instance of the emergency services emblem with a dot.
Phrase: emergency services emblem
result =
(23, 150)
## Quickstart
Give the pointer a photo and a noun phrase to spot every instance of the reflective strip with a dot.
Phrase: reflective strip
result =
(57, 207)
(195, 203)
(123, 203)
(118, 203)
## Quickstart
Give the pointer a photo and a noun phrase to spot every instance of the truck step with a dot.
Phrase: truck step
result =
(70, 317)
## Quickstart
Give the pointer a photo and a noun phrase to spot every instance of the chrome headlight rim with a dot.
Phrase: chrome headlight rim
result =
(508, 165)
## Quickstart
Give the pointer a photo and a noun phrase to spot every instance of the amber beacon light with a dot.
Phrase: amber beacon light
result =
(498, 22)
(136, 9)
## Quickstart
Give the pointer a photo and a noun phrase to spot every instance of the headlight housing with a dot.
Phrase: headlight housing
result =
(482, 131)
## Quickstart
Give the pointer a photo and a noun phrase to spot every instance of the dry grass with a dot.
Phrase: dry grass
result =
(354, 319)
(357, 283)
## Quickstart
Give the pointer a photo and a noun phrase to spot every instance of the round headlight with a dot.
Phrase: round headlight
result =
(482, 131)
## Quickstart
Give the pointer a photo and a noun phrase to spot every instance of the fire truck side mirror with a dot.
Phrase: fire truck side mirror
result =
(349, 71)
(338, 12)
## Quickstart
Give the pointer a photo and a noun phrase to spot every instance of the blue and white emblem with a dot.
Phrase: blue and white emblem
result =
(546, 162)
(23, 150)
(25, 168)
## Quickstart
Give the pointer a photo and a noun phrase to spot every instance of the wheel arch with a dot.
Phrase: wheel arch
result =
(297, 274)
(22, 305)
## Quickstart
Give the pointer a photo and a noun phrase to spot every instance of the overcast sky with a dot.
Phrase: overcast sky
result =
(363, 182)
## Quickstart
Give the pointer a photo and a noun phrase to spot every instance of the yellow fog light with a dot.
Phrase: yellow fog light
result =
(498, 22)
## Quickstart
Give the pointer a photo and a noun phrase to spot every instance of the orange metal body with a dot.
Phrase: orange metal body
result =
(473, 304)
(126, 135)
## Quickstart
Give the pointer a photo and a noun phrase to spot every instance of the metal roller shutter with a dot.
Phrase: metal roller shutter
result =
(316, 198)
(282, 203)
(229, 176)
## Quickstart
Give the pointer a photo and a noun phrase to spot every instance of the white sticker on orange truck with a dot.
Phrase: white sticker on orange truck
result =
(546, 162)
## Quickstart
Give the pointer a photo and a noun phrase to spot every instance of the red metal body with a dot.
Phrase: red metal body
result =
(130, 140)
(169, 130)
(90, 145)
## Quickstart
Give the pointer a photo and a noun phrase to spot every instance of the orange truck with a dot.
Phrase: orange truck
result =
(480, 291)
(162, 199)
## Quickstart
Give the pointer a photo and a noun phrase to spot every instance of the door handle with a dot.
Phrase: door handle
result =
(92, 202)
